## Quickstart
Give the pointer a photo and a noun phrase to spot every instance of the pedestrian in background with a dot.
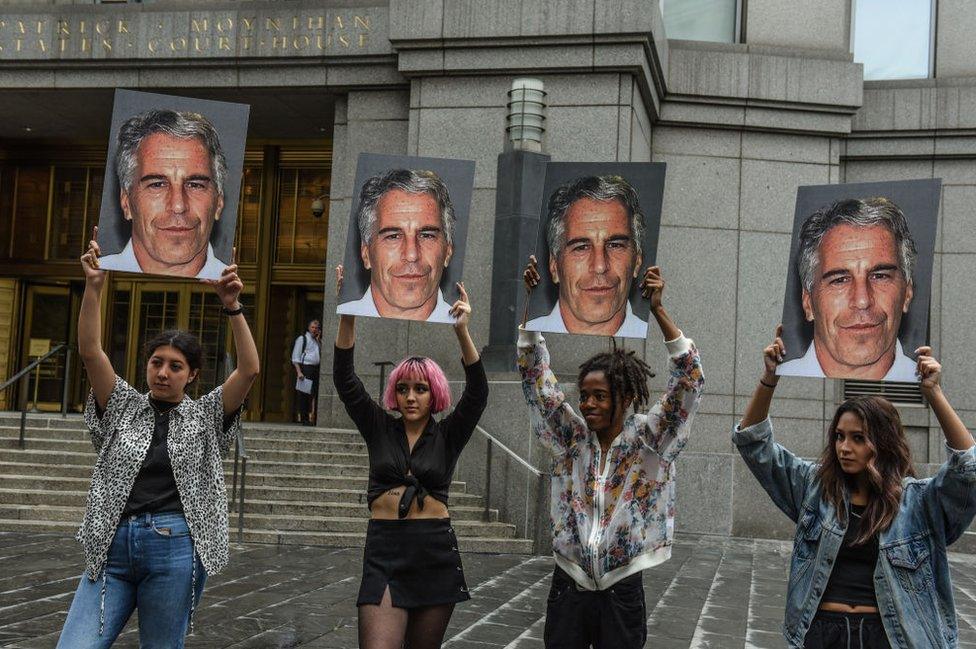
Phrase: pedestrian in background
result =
(305, 356)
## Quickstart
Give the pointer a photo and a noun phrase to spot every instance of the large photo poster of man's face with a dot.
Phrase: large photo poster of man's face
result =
(407, 232)
(860, 277)
(172, 184)
(598, 234)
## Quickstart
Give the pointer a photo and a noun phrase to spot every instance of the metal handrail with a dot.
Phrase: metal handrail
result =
(492, 442)
(26, 372)
(515, 456)
(240, 453)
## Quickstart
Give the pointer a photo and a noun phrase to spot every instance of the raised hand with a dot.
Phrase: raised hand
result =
(461, 310)
(89, 261)
(773, 355)
(652, 287)
(229, 286)
(338, 281)
(930, 371)
(531, 275)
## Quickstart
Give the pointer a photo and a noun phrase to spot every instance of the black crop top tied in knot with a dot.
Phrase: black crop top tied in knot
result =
(429, 468)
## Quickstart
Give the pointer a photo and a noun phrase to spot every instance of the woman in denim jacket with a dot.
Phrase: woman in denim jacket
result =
(869, 565)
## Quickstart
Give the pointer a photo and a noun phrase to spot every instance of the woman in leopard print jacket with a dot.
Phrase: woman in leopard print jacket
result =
(156, 521)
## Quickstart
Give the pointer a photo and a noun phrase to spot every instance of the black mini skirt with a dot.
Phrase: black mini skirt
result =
(417, 558)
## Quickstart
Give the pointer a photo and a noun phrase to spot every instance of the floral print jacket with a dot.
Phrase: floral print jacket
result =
(606, 526)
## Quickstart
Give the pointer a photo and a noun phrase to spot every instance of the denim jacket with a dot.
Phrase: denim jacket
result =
(911, 578)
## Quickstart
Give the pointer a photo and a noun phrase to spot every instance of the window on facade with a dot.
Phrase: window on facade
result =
(301, 236)
(701, 20)
(30, 212)
(74, 210)
(893, 38)
(249, 215)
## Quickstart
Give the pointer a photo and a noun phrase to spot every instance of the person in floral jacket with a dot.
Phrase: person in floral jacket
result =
(613, 478)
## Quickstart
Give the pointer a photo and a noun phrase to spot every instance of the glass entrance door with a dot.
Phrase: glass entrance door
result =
(143, 310)
(48, 318)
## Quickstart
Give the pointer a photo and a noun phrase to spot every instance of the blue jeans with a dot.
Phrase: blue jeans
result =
(150, 566)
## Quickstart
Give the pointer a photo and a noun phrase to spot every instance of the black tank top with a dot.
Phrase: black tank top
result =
(852, 579)
(154, 490)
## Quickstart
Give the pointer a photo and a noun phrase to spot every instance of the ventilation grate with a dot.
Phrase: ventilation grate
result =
(895, 392)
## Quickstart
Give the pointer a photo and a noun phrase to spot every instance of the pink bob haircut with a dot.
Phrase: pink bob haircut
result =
(418, 367)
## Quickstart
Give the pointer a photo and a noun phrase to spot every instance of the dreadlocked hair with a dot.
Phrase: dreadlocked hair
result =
(625, 372)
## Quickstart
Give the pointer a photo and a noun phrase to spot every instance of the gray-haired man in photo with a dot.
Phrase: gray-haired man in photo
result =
(594, 231)
(406, 228)
(171, 172)
(856, 262)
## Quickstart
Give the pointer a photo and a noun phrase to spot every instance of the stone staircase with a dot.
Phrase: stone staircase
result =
(305, 486)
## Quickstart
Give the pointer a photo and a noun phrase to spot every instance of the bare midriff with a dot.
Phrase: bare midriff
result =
(840, 607)
(387, 506)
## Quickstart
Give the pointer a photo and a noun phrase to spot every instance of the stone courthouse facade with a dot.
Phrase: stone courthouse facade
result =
(740, 125)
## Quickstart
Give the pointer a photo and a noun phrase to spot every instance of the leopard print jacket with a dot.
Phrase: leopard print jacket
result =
(198, 439)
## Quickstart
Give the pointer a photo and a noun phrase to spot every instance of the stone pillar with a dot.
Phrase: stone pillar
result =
(518, 205)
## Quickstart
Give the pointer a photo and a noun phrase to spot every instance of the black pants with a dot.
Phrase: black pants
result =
(614, 618)
(831, 630)
(303, 402)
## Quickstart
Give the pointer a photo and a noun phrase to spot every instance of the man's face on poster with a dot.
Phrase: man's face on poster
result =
(859, 295)
(173, 204)
(407, 254)
(595, 265)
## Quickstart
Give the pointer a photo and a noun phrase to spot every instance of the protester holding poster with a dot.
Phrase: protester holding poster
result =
(156, 521)
(405, 247)
(412, 575)
(612, 500)
(862, 268)
(869, 558)
(169, 205)
(598, 234)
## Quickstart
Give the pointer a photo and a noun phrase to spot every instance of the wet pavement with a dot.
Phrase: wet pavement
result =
(714, 592)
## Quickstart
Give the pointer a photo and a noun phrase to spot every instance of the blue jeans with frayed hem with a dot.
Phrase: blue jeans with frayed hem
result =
(152, 568)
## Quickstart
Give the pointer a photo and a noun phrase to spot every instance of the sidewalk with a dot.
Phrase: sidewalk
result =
(715, 592)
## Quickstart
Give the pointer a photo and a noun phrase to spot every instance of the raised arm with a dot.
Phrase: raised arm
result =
(553, 421)
(669, 420)
(951, 494)
(238, 384)
(783, 476)
(461, 312)
(364, 412)
(474, 399)
(98, 367)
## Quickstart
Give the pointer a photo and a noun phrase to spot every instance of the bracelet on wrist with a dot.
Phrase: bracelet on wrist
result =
(771, 386)
(239, 310)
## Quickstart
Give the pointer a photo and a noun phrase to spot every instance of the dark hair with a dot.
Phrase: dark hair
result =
(864, 213)
(598, 188)
(890, 463)
(181, 125)
(412, 181)
(184, 342)
(625, 372)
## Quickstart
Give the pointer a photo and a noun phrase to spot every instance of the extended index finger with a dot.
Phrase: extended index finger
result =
(464, 293)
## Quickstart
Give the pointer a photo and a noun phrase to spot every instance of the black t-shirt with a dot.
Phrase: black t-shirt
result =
(429, 467)
(155, 490)
(852, 579)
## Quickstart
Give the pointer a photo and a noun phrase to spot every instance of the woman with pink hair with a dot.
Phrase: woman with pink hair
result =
(412, 575)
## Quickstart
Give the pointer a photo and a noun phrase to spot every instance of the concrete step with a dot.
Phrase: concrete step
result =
(253, 504)
(82, 470)
(43, 420)
(76, 442)
(53, 474)
(324, 524)
(358, 539)
(965, 543)
(346, 510)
